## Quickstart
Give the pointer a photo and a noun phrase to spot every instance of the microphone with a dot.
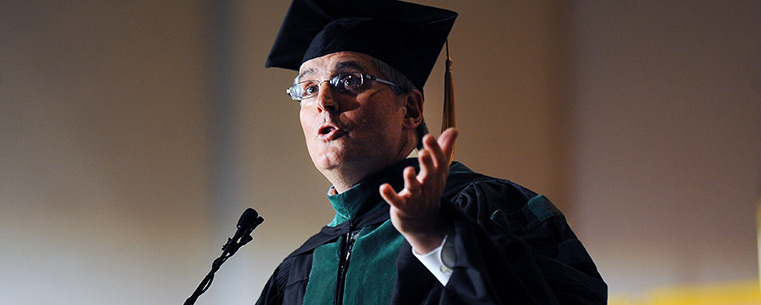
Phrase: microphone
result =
(246, 224)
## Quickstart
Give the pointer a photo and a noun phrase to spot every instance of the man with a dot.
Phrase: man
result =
(407, 231)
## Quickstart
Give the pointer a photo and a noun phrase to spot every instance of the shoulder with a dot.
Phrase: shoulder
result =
(511, 206)
(466, 186)
(462, 179)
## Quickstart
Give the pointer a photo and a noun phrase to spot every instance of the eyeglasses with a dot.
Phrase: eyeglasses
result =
(344, 83)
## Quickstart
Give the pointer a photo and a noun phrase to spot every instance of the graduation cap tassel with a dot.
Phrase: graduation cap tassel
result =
(448, 119)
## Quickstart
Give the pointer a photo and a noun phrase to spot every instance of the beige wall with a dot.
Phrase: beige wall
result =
(667, 139)
(104, 173)
(132, 136)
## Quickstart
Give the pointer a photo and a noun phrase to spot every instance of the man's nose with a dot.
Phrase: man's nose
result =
(325, 101)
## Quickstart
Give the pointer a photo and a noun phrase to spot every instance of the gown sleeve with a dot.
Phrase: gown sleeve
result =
(288, 283)
(512, 247)
(272, 294)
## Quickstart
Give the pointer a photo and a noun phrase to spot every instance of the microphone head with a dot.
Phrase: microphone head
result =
(249, 219)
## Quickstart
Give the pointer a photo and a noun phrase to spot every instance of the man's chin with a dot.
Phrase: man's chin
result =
(327, 162)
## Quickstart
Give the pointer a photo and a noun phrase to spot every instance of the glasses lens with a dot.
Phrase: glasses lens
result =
(292, 91)
(304, 90)
(346, 82)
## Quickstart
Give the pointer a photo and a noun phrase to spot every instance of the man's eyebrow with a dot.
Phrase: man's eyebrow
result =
(349, 64)
(305, 72)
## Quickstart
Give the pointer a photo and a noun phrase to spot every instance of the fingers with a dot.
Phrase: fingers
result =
(442, 148)
(446, 141)
(389, 195)
(426, 160)
(434, 167)
(434, 157)
(411, 183)
(412, 188)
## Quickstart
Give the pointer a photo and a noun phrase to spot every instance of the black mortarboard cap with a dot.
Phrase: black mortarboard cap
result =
(407, 36)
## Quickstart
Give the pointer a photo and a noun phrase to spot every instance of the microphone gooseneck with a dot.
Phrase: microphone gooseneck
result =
(246, 224)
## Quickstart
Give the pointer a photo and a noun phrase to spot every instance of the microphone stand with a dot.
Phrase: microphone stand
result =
(247, 223)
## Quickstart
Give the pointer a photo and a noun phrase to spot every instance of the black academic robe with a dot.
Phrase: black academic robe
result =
(513, 247)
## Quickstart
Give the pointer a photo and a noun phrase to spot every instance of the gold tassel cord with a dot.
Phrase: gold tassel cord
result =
(448, 119)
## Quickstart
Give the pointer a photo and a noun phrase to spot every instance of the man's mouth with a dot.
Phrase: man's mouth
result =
(326, 130)
(329, 132)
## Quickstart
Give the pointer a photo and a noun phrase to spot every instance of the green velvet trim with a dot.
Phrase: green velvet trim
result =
(372, 266)
(372, 270)
(354, 201)
(500, 219)
(364, 197)
(537, 210)
(321, 288)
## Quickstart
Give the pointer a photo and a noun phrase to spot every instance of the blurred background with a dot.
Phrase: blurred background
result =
(133, 134)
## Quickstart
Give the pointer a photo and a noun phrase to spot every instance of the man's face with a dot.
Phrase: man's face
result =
(351, 134)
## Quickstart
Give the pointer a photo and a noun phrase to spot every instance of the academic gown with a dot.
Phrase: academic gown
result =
(512, 247)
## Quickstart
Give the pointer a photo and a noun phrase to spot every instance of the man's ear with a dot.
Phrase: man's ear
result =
(414, 105)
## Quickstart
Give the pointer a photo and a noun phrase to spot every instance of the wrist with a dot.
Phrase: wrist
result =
(426, 241)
